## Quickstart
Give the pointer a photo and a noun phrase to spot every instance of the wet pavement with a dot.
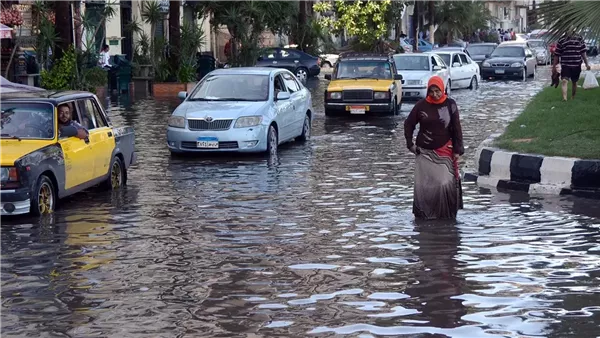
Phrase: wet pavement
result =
(319, 242)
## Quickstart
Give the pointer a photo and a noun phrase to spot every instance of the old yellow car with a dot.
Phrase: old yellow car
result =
(363, 83)
(42, 163)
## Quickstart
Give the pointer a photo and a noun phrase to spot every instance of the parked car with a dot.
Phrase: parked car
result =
(417, 69)
(406, 45)
(39, 167)
(297, 62)
(510, 60)
(247, 109)
(464, 72)
(592, 47)
(424, 45)
(541, 51)
(481, 51)
(328, 60)
(363, 83)
(452, 49)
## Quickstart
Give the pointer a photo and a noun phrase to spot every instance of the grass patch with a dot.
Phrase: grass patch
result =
(551, 127)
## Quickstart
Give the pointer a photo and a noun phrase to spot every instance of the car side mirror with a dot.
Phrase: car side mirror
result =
(328, 77)
(398, 77)
(182, 95)
(437, 68)
(283, 96)
(456, 64)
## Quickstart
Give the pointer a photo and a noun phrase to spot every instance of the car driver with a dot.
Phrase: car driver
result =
(68, 127)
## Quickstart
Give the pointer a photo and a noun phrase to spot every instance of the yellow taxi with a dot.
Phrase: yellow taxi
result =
(363, 83)
(42, 162)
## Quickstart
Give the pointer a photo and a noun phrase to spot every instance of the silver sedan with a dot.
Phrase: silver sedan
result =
(249, 109)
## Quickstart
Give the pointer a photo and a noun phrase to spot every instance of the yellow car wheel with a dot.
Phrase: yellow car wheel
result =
(116, 177)
(43, 198)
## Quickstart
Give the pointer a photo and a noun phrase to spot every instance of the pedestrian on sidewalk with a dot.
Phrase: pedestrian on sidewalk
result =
(439, 145)
(570, 50)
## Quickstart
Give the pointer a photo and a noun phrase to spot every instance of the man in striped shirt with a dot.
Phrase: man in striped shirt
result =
(570, 50)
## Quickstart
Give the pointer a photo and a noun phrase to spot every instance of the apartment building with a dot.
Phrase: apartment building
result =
(509, 14)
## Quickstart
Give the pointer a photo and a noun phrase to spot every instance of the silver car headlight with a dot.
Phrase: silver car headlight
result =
(177, 121)
(516, 65)
(414, 82)
(486, 64)
(248, 121)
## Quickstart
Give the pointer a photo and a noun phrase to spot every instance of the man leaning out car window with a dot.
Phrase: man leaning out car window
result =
(68, 127)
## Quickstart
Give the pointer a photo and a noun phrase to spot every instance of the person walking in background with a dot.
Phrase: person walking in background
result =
(104, 61)
(570, 50)
(439, 145)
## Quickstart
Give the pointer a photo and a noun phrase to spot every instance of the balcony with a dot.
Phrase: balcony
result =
(522, 3)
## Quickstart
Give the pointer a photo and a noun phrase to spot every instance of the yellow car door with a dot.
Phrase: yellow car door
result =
(102, 139)
(78, 158)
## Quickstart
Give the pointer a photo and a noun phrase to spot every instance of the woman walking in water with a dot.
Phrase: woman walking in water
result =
(437, 192)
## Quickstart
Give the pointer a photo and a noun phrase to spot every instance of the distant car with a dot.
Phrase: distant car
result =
(424, 45)
(521, 37)
(452, 49)
(364, 83)
(303, 65)
(464, 72)
(247, 109)
(416, 70)
(592, 47)
(328, 60)
(39, 166)
(541, 50)
(510, 60)
(481, 51)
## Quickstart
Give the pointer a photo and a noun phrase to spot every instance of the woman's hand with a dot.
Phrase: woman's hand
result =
(456, 157)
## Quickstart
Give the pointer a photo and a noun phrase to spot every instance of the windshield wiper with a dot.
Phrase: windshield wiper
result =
(10, 136)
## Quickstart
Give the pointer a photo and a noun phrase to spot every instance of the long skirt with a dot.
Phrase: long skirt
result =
(438, 191)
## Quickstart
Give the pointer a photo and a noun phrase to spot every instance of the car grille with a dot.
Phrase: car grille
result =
(500, 64)
(357, 95)
(222, 145)
(213, 125)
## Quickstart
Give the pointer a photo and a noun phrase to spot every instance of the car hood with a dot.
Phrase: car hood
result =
(539, 49)
(506, 59)
(219, 109)
(478, 57)
(415, 74)
(376, 85)
(13, 150)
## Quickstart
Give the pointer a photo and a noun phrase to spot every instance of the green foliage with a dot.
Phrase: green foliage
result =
(192, 37)
(459, 19)
(62, 74)
(561, 17)
(364, 19)
(246, 21)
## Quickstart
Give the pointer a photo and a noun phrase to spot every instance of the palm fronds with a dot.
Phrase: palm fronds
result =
(562, 17)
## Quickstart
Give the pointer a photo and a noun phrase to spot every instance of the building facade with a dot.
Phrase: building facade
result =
(509, 14)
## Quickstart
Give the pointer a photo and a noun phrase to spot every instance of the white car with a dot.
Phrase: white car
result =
(464, 72)
(328, 60)
(416, 70)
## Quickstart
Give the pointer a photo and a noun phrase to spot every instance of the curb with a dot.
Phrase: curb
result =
(534, 174)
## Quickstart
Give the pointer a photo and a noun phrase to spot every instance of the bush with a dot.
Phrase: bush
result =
(62, 74)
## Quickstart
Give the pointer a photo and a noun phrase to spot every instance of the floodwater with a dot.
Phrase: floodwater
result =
(318, 242)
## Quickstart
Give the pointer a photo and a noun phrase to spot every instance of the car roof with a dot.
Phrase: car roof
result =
(423, 54)
(447, 51)
(360, 56)
(51, 96)
(246, 71)
(513, 44)
(482, 44)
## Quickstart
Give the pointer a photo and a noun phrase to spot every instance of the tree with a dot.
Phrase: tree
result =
(460, 19)
(64, 29)
(246, 21)
(363, 19)
(174, 34)
(561, 17)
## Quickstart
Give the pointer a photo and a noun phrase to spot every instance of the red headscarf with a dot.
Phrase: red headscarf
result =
(438, 82)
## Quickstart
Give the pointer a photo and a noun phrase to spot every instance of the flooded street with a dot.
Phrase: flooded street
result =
(320, 242)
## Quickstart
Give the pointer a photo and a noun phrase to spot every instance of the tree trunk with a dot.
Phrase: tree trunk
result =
(78, 26)
(174, 34)
(301, 25)
(63, 27)
(431, 21)
(415, 22)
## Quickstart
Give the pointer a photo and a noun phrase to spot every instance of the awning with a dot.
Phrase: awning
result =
(5, 31)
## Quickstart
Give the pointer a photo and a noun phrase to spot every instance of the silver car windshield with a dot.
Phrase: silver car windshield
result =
(410, 62)
(364, 70)
(232, 87)
(536, 44)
